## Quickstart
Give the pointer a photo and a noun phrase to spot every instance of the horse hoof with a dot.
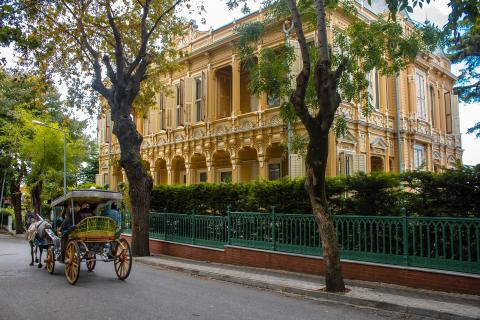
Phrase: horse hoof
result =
(31, 264)
(39, 265)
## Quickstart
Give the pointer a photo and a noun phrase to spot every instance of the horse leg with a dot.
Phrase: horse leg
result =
(40, 259)
(31, 251)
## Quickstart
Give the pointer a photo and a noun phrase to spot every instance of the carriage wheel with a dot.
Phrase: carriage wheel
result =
(72, 262)
(50, 260)
(90, 260)
(122, 259)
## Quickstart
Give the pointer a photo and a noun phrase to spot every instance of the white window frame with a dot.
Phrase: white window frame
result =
(178, 104)
(199, 172)
(432, 104)
(373, 89)
(419, 158)
(198, 99)
(420, 94)
(273, 161)
(220, 171)
(162, 112)
(342, 156)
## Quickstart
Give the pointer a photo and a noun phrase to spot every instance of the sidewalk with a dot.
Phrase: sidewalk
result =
(13, 234)
(393, 298)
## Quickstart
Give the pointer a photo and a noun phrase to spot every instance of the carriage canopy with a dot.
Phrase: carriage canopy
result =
(89, 196)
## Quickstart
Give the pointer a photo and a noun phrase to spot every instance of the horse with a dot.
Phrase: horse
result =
(36, 235)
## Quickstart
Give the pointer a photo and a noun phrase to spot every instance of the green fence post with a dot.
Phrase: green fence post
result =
(193, 226)
(273, 228)
(403, 211)
(229, 224)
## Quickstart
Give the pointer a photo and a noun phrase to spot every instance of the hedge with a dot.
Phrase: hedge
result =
(453, 193)
(7, 212)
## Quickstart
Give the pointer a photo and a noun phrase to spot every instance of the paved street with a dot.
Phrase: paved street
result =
(149, 293)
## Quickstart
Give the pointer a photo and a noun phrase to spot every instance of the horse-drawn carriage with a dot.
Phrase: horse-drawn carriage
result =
(94, 238)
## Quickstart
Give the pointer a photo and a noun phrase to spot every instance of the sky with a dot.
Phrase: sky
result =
(437, 11)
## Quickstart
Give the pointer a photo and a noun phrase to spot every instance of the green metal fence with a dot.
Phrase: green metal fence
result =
(436, 243)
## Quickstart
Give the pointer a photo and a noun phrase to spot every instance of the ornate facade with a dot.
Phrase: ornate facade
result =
(208, 127)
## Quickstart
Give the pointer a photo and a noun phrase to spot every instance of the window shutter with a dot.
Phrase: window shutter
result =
(152, 118)
(456, 115)
(170, 106)
(189, 98)
(359, 163)
(181, 115)
(448, 112)
(204, 96)
(297, 165)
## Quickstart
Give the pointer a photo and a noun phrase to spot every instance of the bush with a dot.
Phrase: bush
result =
(453, 193)
(5, 213)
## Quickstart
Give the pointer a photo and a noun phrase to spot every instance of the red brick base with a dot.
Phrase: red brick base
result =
(424, 279)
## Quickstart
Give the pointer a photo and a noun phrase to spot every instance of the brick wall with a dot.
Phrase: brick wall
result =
(424, 279)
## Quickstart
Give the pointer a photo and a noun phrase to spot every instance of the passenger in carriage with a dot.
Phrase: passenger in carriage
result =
(86, 211)
(65, 228)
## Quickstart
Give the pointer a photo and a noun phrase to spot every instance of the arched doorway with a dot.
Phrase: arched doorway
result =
(178, 170)
(198, 168)
(161, 170)
(276, 162)
(222, 166)
(376, 164)
(247, 164)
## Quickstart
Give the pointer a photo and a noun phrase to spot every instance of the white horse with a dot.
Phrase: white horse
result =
(36, 235)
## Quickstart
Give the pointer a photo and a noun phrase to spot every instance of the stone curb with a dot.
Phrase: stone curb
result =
(315, 294)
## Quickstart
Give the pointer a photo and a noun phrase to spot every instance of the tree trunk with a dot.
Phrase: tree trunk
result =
(140, 183)
(16, 195)
(316, 161)
(36, 197)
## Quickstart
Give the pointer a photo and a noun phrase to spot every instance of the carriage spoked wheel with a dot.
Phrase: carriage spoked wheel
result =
(122, 259)
(72, 262)
(90, 259)
(50, 260)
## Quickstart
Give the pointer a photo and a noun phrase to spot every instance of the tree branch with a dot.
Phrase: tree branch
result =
(143, 46)
(110, 72)
(118, 42)
(298, 96)
(322, 31)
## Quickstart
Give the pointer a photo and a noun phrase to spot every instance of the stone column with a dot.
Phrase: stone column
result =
(429, 152)
(236, 85)
(382, 89)
(170, 177)
(210, 172)
(262, 168)
(332, 155)
(189, 172)
(412, 94)
(235, 171)
(367, 149)
(154, 174)
(211, 96)
(386, 165)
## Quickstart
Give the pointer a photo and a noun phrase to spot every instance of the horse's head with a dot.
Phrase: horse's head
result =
(29, 220)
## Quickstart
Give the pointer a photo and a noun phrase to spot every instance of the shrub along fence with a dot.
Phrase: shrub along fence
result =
(455, 193)
(427, 242)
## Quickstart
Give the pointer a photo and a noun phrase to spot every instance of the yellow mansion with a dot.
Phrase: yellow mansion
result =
(210, 128)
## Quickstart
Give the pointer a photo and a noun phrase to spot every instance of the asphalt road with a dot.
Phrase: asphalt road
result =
(149, 293)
